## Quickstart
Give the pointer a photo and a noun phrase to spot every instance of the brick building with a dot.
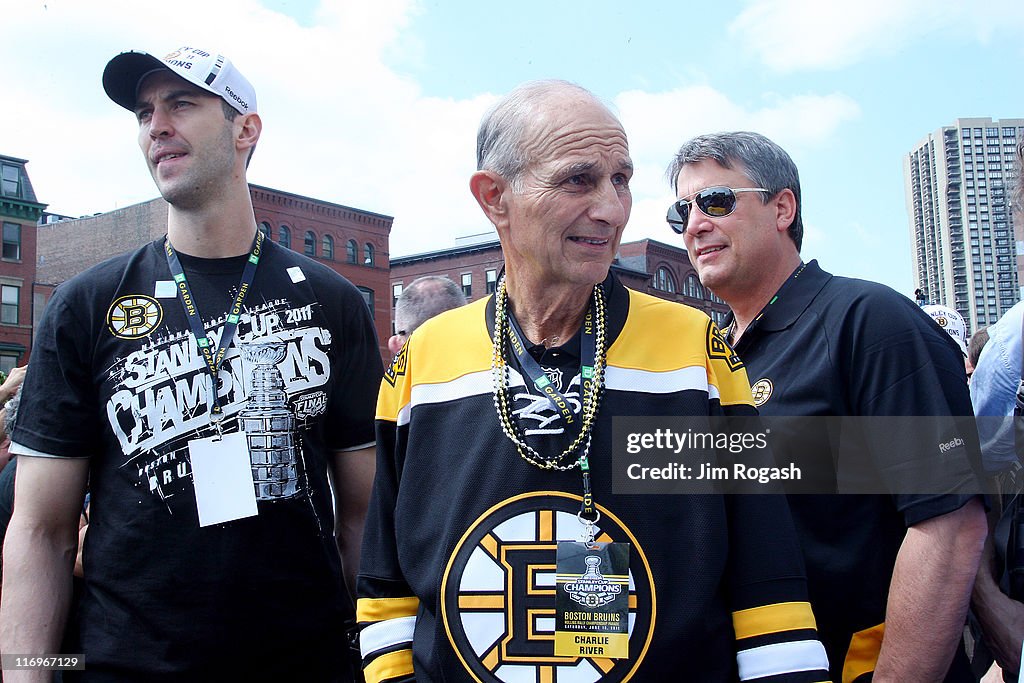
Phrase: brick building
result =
(646, 265)
(670, 275)
(19, 212)
(351, 241)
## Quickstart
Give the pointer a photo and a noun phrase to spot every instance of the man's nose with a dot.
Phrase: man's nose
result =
(611, 204)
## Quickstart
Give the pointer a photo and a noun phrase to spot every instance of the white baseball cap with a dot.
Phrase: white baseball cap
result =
(951, 321)
(203, 68)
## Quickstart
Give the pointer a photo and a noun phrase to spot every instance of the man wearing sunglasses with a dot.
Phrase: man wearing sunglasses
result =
(898, 565)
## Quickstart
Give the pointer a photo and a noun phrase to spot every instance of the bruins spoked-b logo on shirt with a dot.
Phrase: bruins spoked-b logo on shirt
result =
(761, 390)
(499, 593)
(134, 316)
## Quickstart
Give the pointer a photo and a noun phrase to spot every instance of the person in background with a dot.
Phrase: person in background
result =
(8, 390)
(994, 388)
(974, 348)
(424, 298)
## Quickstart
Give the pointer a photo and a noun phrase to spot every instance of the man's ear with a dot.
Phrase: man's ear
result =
(489, 190)
(395, 343)
(785, 209)
(249, 131)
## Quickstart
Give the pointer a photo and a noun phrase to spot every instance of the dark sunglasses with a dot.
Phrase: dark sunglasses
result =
(713, 202)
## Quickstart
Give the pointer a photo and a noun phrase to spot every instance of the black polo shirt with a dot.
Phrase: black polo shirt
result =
(833, 346)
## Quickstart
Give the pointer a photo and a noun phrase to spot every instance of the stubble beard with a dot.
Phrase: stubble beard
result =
(212, 165)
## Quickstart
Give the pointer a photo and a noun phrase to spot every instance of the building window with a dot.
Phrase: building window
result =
(8, 363)
(693, 288)
(368, 298)
(309, 244)
(10, 185)
(396, 291)
(663, 280)
(351, 250)
(327, 248)
(467, 284)
(492, 281)
(9, 310)
(284, 237)
(12, 241)
(367, 254)
(265, 229)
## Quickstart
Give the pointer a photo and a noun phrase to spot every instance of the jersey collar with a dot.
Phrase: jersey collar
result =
(617, 298)
(792, 299)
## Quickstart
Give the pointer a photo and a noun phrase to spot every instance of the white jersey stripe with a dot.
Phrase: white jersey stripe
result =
(780, 658)
(616, 379)
(626, 379)
(386, 634)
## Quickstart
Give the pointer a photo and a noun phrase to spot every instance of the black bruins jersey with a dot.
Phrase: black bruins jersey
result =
(458, 572)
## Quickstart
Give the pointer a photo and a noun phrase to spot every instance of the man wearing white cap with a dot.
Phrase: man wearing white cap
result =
(952, 322)
(207, 386)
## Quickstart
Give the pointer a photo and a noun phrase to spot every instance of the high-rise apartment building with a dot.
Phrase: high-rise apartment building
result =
(959, 182)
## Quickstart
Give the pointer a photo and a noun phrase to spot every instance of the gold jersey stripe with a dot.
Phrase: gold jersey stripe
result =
(379, 609)
(632, 348)
(863, 653)
(391, 665)
(784, 616)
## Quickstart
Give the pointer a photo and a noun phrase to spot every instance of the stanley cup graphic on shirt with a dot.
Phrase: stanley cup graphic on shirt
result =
(269, 425)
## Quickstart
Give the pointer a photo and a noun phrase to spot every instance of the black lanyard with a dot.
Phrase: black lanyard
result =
(213, 357)
(533, 371)
(536, 374)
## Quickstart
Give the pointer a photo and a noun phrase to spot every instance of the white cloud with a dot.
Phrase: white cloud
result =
(790, 35)
(339, 123)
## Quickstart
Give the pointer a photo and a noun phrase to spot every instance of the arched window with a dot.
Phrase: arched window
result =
(663, 280)
(693, 288)
(368, 254)
(265, 229)
(327, 248)
(284, 237)
(309, 245)
(351, 250)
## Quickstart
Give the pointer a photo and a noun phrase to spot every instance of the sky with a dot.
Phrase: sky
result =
(374, 104)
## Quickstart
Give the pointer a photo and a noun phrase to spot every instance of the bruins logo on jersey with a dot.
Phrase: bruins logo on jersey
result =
(761, 390)
(498, 593)
(134, 316)
(720, 349)
(397, 367)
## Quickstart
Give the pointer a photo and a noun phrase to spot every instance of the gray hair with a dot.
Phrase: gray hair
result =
(765, 164)
(499, 141)
(424, 298)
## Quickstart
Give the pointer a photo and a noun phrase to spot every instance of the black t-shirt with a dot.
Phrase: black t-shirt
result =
(115, 376)
(831, 346)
